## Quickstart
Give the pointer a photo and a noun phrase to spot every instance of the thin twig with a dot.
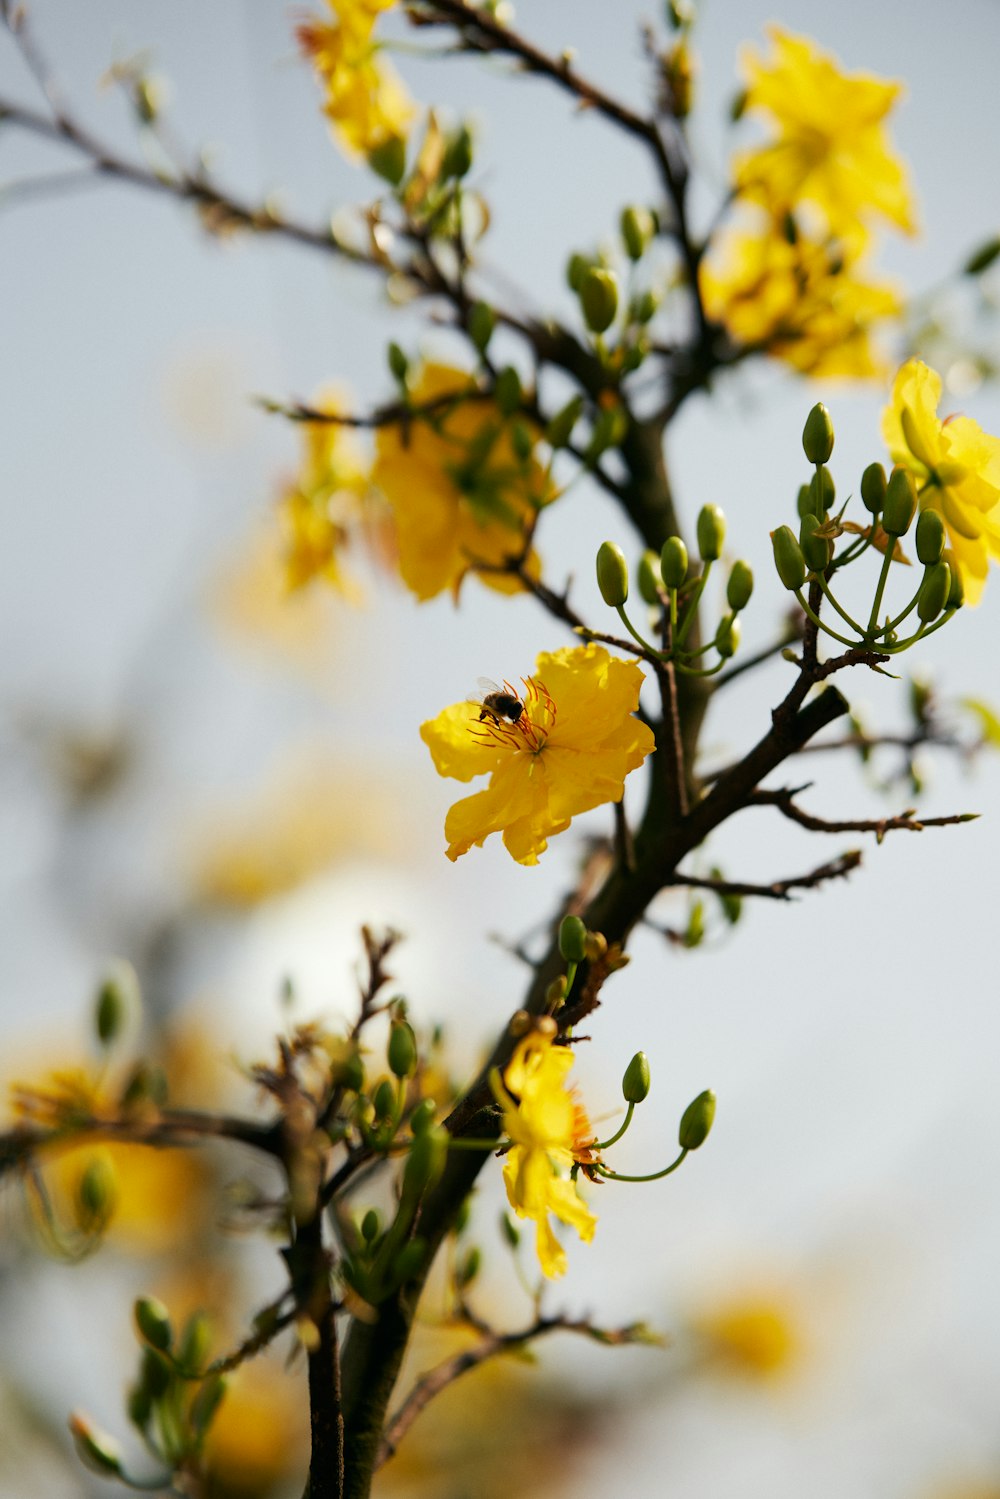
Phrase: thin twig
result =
(906, 821)
(836, 869)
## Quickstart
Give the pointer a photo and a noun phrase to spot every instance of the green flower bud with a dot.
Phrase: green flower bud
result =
(956, 594)
(409, 1261)
(981, 260)
(153, 1321)
(555, 994)
(481, 324)
(388, 159)
(139, 1407)
(900, 503)
(423, 1116)
(508, 390)
(350, 1073)
(402, 1049)
(425, 1161)
(370, 1225)
(598, 293)
(817, 435)
(637, 230)
(96, 1450)
(635, 1083)
(399, 365)
(467, 1271)
(674, 562)
(560, 428)
(96, 1195)
(644, 307)
(739, 588)
(803, 501)
(873, 487)
(788, 558)
(711, 532)
(206, 1403)
(649, 578)
(696, 1121)
(154, 1374)
(572, 939)
(822, 491)
(458, 154)
(576, 268)
(510, 1230)
(612, 574)
(195, 1341)
(384, 1100)
(610, 426)
(930, 537)
(934, 591)
(118, 999)
(727, 639)
(817, 550)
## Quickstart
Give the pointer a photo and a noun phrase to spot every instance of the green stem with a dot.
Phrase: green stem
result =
(633, 631)
(603, 1144)
(828, 594)
(870, 633)
(654, 1176)
(692, 605)
(819, 623)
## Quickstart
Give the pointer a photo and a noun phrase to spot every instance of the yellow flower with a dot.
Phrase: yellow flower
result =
(365, 101)
(803, 302)
(329, 503)
(570, 750)
(458, 491)
(831, 150)
(549, 1130)
(956, 466)
(755, 1337)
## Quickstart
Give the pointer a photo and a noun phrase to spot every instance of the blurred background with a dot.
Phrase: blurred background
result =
(220, 785)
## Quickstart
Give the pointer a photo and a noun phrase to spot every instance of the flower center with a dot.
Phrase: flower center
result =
(533, 727)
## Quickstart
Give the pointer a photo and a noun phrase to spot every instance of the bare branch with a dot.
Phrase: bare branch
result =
(836, 869)
(906, 821)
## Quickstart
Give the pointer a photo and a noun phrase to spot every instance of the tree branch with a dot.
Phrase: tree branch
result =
(836, 869)
(906, 821)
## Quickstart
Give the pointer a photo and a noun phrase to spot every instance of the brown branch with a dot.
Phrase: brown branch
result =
(171, 1127)
(906, 821)
(836, 869)
(490, 1345)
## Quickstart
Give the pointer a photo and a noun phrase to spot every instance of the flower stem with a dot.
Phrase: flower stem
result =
(603, 1144)
(654, 1176)
(871, 632)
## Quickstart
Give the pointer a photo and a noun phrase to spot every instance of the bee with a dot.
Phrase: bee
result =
(496, 703)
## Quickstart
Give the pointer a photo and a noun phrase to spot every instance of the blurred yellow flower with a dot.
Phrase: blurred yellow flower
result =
(831, 150)
(550, 1130)
(457, 489)
(365, 101)
(755, 1337)
(161, 1198)
(570, 750)
(800, 301)
(259, 1437)
(955, 464)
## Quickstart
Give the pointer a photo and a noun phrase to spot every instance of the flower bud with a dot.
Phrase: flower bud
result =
(981, 260)
(402, 1049)
(637, 229)
(930, 537)
(409, 1261)
(598, 293)
(934, 591)
(711, 532)
(635, 1083)
(739, 588)
(96, 1195)
(873, 487)
(817, 550)
(458, 154)
(96, 1450)
(399, 365)
(674, 562)
(649, 578)
(510, 1230)
(696, 1121)
(384, 1100)
(118, 999)
(467, 1271)
(481, 324)
(610, 426)
(576, 268)
(612, 574)
(555, 994)
(349, 1073)
(803, 501)
(508, 390)
(822, 491)
(388, 159)
(956, 593)
(788, 558)
(206, 1403)
(422, 1116)
(425, 1161)
(560, 428)
(195, 1341)
(817, 435)
(727, 639)
(370, 1225)
(153, 1321)
(572, 939)
(900, 503)
(644, 307)
(596, 946)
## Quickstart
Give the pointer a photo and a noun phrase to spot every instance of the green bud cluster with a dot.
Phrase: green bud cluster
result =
(892, 504)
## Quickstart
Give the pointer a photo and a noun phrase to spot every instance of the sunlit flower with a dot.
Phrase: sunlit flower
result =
(365, 101)
(570, 750)
(831, 149)
(459, 492)
(329, 504)
(956, 467)
(549, 1130)
(798, 300)
(755, 1337)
